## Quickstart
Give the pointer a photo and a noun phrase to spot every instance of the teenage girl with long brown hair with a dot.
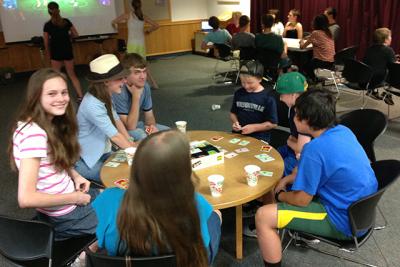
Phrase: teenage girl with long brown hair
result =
(160, 212)
(44, 148)
(57, 35)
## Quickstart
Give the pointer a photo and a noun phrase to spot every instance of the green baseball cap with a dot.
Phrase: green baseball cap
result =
(291, 82)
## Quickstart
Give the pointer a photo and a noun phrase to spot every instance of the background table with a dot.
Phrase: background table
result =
(235, 190)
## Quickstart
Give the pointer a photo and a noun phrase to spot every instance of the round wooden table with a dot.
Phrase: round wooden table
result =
(235, 189)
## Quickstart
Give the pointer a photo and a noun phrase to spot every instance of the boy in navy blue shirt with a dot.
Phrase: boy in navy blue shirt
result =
(253, 109)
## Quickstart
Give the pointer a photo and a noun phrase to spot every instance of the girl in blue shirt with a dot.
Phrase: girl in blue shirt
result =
(160, 213)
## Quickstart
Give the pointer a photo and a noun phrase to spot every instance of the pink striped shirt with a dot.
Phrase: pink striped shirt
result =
(30, 141)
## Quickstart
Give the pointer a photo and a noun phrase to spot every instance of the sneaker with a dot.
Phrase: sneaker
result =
(249, 229)
(388, 99)
(374, 95)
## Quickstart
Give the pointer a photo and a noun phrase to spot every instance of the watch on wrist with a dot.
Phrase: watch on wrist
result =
(277, 195)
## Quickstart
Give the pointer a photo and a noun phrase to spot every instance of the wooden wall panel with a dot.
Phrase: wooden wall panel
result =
(171, 37)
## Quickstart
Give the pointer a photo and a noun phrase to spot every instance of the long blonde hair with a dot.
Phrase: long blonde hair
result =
(61, 130)
(158, 210)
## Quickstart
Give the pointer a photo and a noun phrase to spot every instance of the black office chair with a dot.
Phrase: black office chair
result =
(362, 215)
(30, 243)
(224, 53)
(392, 82)
(367, 125)
(344, 54)
(246, 54)
(358, 76)
(101, 260)
(270, 60)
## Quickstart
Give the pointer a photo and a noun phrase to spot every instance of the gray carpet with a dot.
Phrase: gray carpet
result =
(187, 92)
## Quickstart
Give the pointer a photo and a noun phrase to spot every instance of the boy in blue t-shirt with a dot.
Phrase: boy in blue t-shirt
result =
(326, 184)
(253, 109)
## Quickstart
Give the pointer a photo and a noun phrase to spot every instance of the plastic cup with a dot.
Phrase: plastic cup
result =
(216, 182)
(129, 153)
(181, 125)
(252, 172)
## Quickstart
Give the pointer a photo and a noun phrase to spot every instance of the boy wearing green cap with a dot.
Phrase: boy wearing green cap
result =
(290, 86)
(253, 110)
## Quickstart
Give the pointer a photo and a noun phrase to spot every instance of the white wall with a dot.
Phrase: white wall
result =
(188, 9)
(203, 9)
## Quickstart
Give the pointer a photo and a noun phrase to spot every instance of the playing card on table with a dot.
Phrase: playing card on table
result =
(264, 157)
(266, 173)
(216, 138)
(234, 140)
(242, 149)
(244, 143)
(266, 148)
(230, 155)
(112, 164)
(119, 158)
(223, 150)
(122, 183)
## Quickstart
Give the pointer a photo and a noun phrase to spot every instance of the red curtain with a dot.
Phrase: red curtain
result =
(357, 18)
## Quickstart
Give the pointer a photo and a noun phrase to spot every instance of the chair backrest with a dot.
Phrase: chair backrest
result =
(224, 50)
(386, 172)
(367, 125)
(247, 53)
(362, 212)
(25, 240)
(101, 260)
(270, 60)
(356, 72)
(345, 53)
(393, 77)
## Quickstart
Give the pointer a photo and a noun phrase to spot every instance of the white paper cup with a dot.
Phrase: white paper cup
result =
(252, 172)
(216, 182)
(181, 125)
(129, 153)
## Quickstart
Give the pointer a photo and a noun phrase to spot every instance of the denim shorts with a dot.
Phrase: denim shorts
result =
(81, 221)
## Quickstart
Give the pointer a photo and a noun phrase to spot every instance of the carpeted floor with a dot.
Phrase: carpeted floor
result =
(187, 92)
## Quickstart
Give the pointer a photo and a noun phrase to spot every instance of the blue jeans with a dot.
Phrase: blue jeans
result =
(91, 173)
(289, 159)
(139, 133)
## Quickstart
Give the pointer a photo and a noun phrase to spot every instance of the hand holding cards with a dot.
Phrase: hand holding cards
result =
(130, 152)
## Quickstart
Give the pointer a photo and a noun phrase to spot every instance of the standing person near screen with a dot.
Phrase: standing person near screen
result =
(135, 20)
(233, 27)
(44, 148)
(293, 28)
(57, 35)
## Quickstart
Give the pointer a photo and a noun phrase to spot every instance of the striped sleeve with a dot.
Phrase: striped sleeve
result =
(31, 142)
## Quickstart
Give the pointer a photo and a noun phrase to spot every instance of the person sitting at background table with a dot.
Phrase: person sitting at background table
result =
(44, 148)
(293, 28)
(323, 45)
(316, 203)
(243, 38)
(271, 41)
(277, 27)
(216, 36)
(331, 13)
(378, 56)
(253, 110)
(233, 27)
(160, 212)
(135, 96)
(98, 122)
